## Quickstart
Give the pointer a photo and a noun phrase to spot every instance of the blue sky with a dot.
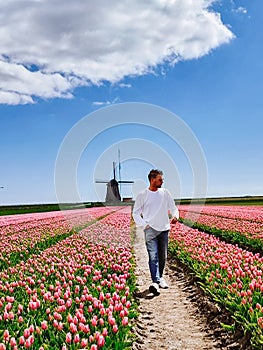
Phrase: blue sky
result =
(62, 62)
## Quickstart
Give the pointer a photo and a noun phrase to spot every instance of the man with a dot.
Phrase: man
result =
(151, 211)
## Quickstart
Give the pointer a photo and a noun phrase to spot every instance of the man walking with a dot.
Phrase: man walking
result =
(151, 211)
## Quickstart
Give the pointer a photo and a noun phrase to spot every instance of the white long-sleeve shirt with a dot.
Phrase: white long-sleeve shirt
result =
(152, 208)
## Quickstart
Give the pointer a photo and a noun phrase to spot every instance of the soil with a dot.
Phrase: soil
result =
(181, 317)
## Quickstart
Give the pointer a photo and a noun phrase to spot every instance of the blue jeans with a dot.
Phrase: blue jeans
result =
(156, 244)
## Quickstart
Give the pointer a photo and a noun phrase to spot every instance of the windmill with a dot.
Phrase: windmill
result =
(113, 191)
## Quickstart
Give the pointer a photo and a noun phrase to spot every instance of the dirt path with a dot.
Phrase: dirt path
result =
(172, 320)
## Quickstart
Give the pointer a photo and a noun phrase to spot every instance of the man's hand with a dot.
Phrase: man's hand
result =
(147, 226)
(174, 220)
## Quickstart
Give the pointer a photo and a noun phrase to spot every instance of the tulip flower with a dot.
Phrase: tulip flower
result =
(6, 335)
(125, 321)
(101, 341)
(68, 337)
(12, 342)
(115, 328)
(76, 338)
(44, 325)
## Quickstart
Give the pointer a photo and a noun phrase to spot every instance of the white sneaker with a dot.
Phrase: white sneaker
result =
(163, 284)
(154, 288)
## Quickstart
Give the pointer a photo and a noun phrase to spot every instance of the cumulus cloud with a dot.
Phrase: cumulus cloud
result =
(49, 47)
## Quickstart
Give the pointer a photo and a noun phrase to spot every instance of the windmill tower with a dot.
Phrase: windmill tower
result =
(113, 191)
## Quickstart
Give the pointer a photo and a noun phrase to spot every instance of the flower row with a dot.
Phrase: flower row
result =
(233, 276)
(249, 213)
(248, 228)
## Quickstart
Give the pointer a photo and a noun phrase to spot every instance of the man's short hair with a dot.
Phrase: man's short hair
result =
(153, 173)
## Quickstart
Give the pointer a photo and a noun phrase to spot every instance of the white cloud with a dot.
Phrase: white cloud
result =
(101, 103)
(49, 47)
(13, 98)
(106, 103)
(238, 9)
(123, 85)
(242, 10)
(18, 80)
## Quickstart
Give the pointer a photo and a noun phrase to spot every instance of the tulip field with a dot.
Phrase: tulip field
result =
(230, 274)
(67, 278)
(238, 224)
(66, 281)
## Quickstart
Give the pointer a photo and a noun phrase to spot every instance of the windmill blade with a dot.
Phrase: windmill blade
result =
(114, 171)
(126, 182)
(101, 181)
(119, 167)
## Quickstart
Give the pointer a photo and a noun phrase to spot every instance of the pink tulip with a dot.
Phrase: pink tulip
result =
(258, 306)
(86, 329)
(68, 303)
(94, 322)
(115, 328)
(21, 340)
(90, 308)
(68, 337)
(84, 343)
(13, 342)
(76, 338)
(31, 339)
(73, 328)
(6, 335)
(111, 321)
(60, 326)
(125, 321)
(44, 325)
(101, 341)
(8, 306)
(70, 318)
